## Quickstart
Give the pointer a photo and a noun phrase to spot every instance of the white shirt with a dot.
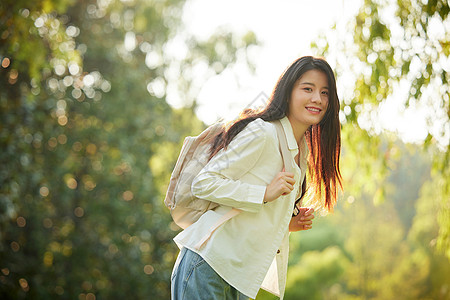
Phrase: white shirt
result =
(249, 251)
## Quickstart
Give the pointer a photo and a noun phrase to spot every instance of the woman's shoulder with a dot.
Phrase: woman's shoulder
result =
(258, 135)
(262, 128)
(257, 132)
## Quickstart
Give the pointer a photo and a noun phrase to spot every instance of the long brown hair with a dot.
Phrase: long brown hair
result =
(323, 139)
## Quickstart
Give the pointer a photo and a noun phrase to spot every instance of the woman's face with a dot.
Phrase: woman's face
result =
(309, 99)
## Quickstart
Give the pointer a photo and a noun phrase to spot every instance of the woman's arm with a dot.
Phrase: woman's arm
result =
(219, 180)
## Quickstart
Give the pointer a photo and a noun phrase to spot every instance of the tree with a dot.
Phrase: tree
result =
(380, 250)
(422, 237)
(396, 45)
(88, 142)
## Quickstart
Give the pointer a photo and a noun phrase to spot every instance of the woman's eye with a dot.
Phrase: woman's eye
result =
(325, 93)
(308, 89)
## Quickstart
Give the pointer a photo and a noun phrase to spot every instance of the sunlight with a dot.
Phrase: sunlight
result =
(228, 93)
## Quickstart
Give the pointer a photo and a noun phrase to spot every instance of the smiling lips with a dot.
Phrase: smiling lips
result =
(313, 110)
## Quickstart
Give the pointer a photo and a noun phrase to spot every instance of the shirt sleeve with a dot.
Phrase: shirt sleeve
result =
(219, 181)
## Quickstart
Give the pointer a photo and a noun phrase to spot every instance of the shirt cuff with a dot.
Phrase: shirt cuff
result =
(255, 198)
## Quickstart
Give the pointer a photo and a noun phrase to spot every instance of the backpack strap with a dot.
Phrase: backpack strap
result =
(285, 153)
(233, 212)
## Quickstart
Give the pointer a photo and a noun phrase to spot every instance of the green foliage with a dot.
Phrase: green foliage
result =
(395, 44)
(375, 251)
(88, 142)
(315, 272)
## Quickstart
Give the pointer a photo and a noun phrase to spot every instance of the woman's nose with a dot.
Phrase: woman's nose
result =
(316, 97)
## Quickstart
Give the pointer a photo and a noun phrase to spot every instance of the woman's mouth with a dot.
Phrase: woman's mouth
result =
(313, 110)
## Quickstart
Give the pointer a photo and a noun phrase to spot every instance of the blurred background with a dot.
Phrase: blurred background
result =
(96, 98)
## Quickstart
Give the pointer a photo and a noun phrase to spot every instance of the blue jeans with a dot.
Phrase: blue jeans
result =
(194, 279)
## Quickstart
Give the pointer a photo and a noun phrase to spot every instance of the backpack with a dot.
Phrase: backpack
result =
(186, 208)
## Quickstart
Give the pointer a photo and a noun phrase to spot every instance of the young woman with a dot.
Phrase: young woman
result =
(233, 259)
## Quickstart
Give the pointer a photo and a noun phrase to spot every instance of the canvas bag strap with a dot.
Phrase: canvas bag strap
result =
(285, 153)
(230, 214)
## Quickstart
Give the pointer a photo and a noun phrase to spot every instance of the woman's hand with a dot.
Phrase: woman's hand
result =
(282, 184)
(302, 221)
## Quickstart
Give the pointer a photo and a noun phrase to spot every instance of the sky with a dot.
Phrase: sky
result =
(285, 29)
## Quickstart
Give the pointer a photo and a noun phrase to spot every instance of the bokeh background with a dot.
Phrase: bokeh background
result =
(97, 96)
